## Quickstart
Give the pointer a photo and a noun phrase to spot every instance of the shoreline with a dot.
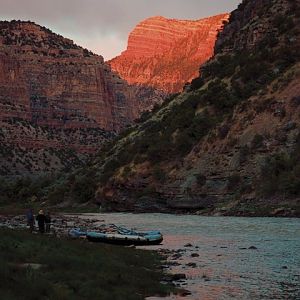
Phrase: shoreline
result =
(59, 268)
(61, 224)
(279, 212)
(192, 262)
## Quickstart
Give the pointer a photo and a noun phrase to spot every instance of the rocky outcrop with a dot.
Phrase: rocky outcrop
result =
(48, 80)
(166, 53)
(246, 20)
(229, 144)
(56, 95)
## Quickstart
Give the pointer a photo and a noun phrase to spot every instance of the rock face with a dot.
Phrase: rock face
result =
(166, 53)
(230, 143)
(56, 95)
(58, 83)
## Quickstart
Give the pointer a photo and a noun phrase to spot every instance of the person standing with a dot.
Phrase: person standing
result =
(48, 221)
(41, 221)
(30, 219)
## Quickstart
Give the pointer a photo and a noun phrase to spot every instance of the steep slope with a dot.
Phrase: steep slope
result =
(166, 53)
(229, 144)
(59, 102)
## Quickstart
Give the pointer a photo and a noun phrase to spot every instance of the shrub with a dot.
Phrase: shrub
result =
(280, 173)
(159, 174)
(243, 154)
(257, 141)
(197, 83)
(109, 169)
(83, 188)
(233, 182)
(201, 179)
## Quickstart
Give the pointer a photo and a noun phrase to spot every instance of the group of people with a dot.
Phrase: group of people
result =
(43, 220)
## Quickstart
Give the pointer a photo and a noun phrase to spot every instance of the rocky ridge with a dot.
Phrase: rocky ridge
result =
(56, 98)
(230, 143)
(166, 53)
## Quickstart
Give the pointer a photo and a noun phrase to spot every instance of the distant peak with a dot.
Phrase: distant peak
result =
(162, 18)
(157, 45)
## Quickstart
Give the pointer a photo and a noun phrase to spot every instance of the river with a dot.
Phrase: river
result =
(239, 258)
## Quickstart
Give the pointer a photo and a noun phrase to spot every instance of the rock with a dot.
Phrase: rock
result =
(176, 256)
(205, 277)
(174, 263)
(57, 96)
(284, 267)
(183, 293)
(281, 211)
(70, 224)
(290, 126)
(188, 245)
(178, 276)
(252, 248)
(33, 266)
(165, 267)
(191, 264)
(156, 42)
(194, 255)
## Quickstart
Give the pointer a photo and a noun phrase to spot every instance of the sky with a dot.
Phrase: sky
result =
(103, 26)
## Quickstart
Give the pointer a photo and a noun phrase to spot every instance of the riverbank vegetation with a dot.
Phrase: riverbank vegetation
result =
(44, 267)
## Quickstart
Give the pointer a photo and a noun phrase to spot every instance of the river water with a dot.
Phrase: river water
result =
(226, 268)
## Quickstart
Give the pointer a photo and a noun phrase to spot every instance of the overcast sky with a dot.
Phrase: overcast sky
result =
(103, 25)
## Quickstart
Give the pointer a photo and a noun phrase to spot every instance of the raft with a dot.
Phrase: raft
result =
(77, 233)
(125, 239)
(126, 231)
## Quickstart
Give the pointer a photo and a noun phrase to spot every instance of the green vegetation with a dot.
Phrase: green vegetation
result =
(73, 269)
(280, 174)
(23, 189)
(257, 141)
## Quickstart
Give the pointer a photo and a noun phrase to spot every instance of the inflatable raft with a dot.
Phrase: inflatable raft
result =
(77, 233)
(125, 239)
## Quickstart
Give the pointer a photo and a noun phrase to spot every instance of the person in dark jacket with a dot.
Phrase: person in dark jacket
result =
(41, 221)
(48, 221)
(30, 219)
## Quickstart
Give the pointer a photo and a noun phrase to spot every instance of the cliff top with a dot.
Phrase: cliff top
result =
(27, 33)
(161, 18)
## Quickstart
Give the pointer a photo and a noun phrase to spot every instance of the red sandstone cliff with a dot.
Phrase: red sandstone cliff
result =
(56, 95)
(47, 79)
(166, 53)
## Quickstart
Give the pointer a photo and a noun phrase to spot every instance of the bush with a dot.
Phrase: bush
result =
(201, 180)
(243, 154)
(159, 174)
(83, 188)
(233, 182)
(257, 141)
(280, 173)
(197, 83)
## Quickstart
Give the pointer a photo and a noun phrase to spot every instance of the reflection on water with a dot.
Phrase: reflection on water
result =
(226, 268)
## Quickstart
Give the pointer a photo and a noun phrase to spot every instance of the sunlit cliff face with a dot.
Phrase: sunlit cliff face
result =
(166, 53)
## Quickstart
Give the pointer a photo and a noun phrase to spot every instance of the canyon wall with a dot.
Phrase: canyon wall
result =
(166, 53)
(55, 95)
(230, 143)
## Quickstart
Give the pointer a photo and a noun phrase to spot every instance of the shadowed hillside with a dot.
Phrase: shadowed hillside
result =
(229, 144)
